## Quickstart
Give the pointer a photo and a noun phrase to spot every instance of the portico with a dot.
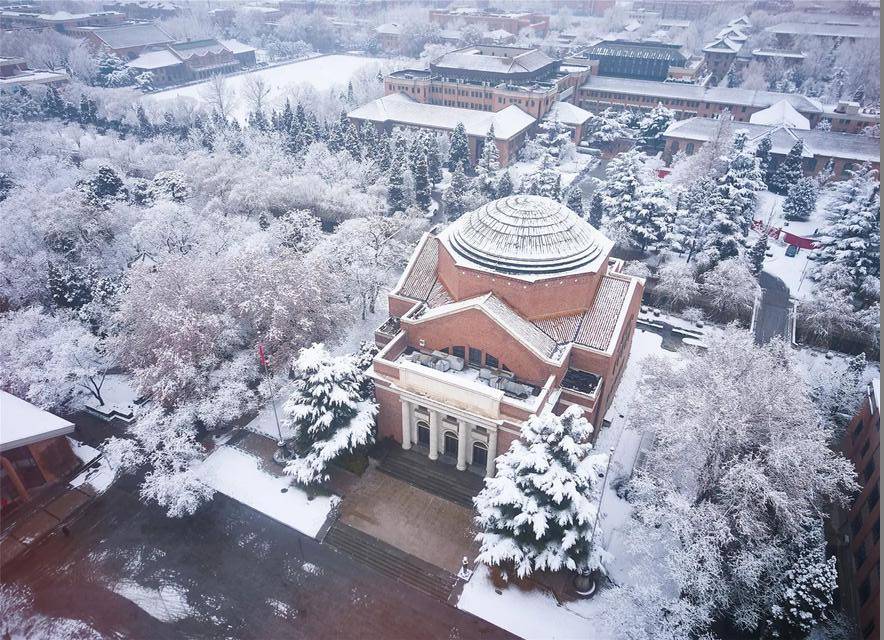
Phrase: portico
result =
(470, 441)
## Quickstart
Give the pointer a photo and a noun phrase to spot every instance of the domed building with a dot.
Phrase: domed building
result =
(515, 308)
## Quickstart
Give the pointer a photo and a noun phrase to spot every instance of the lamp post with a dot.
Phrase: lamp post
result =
(584, 583)
(281, 455)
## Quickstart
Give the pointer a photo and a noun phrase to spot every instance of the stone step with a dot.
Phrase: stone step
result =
(390, 561)
(433, 477)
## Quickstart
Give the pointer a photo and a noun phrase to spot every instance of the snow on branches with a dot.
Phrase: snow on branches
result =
(327, 412)
(538, 512)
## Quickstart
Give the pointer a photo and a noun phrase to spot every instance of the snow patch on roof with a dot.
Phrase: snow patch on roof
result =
(22, 423)
(781, 113)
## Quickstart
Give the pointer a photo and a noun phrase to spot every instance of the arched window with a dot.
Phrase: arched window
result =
(480, 454)
(450, 449)
(423, 433)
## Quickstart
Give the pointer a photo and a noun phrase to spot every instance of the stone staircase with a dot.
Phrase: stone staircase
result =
(436, 478)
(390, 561)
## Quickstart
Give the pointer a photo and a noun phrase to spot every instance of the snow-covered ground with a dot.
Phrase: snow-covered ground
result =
(119, 395)
(794, 271)
(569, 170)
(536, 613)
(100, 475)
(239, 476)
(167, 604)
(321, 73)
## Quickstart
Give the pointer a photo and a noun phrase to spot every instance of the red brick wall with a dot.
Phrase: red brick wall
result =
(389, 418)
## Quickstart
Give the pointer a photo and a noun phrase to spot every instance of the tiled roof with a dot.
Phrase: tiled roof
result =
(561, 329)
(521, 328)
(132, 35)
(419, 281)
(490, 60)
(600, 321)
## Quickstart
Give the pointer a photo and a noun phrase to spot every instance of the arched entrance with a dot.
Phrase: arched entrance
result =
(480, 454)
(450, 444)
(423, 433)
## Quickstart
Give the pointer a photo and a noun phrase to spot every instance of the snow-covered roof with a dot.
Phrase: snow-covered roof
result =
(526, 235)
(22, 423)
(197, 48)
(830, 144)
(742, 22)
(567, 113)
(236, 46)
(143, 34)
(155, 60)
(718, 95)
(401, 109)
(32, 76)
(491, 59)
(732, 33)
(781, 113)
(778, 53)
(824, 30)
(389, 28)
(723, 45)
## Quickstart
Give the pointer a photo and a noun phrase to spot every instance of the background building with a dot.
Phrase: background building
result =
(14, 72)
(513, 23)
(126, 41)
(514, 309)
(645, 60)
(62, 21)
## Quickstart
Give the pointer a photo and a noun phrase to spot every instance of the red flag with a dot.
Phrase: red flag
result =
(261, 355)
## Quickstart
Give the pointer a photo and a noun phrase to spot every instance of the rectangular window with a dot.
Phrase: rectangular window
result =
(475, 356)
(491, 361)
(460, 352)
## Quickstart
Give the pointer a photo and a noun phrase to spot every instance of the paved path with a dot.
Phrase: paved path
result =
(227, 572)
(772, 314)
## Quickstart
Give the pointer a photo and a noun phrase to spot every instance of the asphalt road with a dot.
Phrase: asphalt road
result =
(772, 319)
(227, 572)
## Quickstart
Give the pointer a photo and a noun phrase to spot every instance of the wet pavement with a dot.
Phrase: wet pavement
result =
(772, 319)
(227, 572)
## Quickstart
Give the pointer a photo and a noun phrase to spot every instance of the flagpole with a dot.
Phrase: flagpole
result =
(279, 443)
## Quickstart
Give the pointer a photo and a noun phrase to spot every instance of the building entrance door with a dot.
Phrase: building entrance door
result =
(450, 444)
(423, 434)
(480, 454)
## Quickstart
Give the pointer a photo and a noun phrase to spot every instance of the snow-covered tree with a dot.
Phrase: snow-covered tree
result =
(422, 186)
(488, 166)
(50, 360)
(789, 171)
(539, 511)
(458, 197)
(801, 199)
(596, 213)
(459, 151)
(654, 123)
(326, 413)
(756, 255)
(730, 287)
(762, 152)
(574, 200)
(397, 195)
(607, 126)
(677, 286)
(504, 185)
(546, 181)
(726, 495)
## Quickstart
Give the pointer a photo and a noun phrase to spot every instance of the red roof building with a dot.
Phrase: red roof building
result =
(514, 309)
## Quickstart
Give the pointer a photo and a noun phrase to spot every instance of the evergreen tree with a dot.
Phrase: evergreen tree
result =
(145, 128)
(352, 141)
(504, 185)
(88, 110)
(488, 166)
(552, 136)
(385, 153)
(6, 185)
(53, 104)
(455, 197)
(434, 161)
(762, 152)
(596, 209)
(756, 254)
(397, 198)
(422, 187)
(368, 139)
(801, 200)
(286, 118)
(71, 286)
(459, 151)
(574, 200)
(547, 181)
(538, 512)
(326, 412)
(653, 125)
(789, 171)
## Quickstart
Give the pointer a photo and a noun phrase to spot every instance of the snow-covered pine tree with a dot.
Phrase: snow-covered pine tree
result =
(807, 593)
(384, 152)
(552, 137)
(537, 513)
(352, 141)
(755, 256)
(422, 186)
(789, 171)
(824, 177)
(574, 200)
(762, 152)
(546, 181)
(653, 125)
(459, 151)
(504, 185)
(455, 197)
(596, 209)
(488, 166)
(801, 200)
(397, 196)
(53, 104)
(326, 412)
(434, 160)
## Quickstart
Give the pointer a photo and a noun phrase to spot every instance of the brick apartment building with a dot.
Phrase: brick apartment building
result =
(513, 23)
(691, 100)
(859, 570)
(514, 309)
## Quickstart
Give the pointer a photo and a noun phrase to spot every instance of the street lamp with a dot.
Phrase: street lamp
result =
(584, 583)
(281, 455)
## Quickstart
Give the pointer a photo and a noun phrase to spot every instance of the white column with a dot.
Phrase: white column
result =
(461, 445)
(407, 413)
(434, 435)
(492, 452)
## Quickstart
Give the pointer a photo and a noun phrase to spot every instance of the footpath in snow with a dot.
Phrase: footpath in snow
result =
(238, 475)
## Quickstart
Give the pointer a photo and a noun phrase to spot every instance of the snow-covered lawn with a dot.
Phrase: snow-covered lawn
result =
(321, 73)
(537, 614)
(239, 476)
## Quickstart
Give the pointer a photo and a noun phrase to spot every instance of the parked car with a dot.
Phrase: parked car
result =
(791, 250)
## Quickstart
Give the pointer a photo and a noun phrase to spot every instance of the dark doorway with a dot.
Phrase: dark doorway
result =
(480, 454)
(423, 434)
(450, 444)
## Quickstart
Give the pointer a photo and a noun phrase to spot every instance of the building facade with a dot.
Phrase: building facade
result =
(14, 72)
(515, 309)
(489, 78)
(644, 60)
(34, 452)
(513, 23)
(60, 20)
(126, 41)
(860, 568)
